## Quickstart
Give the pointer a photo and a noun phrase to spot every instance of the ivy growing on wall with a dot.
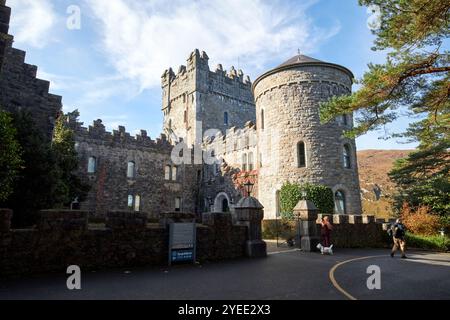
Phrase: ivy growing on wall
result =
(292, 193)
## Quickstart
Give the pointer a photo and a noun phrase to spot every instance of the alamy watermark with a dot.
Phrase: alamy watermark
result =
(73, 21)
(74, 280)
(374, 280)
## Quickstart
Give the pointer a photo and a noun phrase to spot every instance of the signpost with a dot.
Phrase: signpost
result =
(182, 242)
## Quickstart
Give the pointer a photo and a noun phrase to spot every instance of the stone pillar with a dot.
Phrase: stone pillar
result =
(5, 220)
(306, 213)
(249, 212)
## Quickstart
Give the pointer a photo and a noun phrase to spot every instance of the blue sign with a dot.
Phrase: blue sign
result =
(182, 255)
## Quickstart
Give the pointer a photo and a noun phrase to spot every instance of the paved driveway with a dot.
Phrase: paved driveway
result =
(283, 275)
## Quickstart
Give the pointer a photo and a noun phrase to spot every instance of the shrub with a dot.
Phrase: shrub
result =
(435, 242)
(420, 221)
(292, 193)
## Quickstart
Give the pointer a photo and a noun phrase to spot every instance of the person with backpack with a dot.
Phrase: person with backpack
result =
(397, 232)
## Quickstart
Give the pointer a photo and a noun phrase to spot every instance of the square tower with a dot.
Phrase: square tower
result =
(196, 100)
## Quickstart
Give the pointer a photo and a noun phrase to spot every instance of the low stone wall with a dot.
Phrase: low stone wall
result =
(64, 238)
(350, 231)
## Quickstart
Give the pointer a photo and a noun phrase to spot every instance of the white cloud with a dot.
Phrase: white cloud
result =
(143, 38)
(31, 21)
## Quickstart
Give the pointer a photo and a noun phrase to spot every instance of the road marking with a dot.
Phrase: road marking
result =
(286, 251)
(336, 284)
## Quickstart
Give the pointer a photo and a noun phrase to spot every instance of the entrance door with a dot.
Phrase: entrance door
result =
(225, 207)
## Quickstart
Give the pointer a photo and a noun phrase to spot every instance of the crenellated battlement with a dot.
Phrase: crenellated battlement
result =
(96, 133)
(199, 61)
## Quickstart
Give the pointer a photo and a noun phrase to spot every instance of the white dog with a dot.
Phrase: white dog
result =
(325, 250)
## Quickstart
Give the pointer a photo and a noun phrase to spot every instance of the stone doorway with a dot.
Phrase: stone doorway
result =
(222, 203)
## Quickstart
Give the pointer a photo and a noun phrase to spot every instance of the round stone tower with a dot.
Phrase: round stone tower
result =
(293, 145)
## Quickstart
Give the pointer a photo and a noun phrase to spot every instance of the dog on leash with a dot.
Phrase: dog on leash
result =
(325, 250)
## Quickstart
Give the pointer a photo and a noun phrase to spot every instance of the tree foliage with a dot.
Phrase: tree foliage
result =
(292, 193)
(423, 179)
(48, 178)
(415, 75)
(10, 156)
(414, 81)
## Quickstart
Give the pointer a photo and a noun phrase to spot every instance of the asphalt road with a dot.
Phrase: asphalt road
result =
(286, 275)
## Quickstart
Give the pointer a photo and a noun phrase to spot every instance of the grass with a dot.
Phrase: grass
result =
(436, 242)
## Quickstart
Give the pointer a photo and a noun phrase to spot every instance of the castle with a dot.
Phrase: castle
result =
(268, 130)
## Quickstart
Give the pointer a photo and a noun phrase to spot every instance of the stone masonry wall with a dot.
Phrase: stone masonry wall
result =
(64, 238)
(197, 94)
(350, 231)
(290, 100)
(5, 38)
(19, 87)
(110, 186)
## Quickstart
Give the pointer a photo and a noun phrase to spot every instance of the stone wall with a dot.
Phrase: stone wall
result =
(64, 238)
(195, 94)
(19, 87)
(5, 38)
(290, 99)
(352, 231)
(110, 186)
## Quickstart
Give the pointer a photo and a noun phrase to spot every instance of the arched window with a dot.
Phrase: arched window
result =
(277, 203)
(177, 204)
(174, 173)
(244, 162)
(130, 201)
(344, 120)
(250, 161)
(170, 124)
(301, 154)
(92, 165)
(262, 120)
(137, 203)
(225, 118)
(131, 170)
(339, 202)
(167, 172)
(347, 158)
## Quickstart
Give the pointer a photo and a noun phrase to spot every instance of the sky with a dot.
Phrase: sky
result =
(106, 57)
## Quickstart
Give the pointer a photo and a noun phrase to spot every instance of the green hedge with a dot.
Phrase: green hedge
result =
(428, 242)
(291, 194)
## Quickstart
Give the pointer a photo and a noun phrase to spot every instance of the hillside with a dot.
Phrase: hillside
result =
(376, 186)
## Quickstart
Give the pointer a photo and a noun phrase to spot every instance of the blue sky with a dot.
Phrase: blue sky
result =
(110, 68)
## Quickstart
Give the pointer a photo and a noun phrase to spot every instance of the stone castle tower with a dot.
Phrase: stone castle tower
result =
(219, 99)
(292, 143)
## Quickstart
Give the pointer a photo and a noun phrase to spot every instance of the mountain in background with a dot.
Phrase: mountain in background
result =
(376, 187)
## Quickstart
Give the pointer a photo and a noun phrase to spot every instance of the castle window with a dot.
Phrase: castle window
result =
(250, 161)
(347, 158)
(277, 203)
(137, 203)
(92, 165)
(177, 204)
(260, 160)
(174, 173)
(170, 124)
(130, 201)
(344, 120)
(185, 116)
(131, 170)
(244, 162)
(262, 119)
(225, 119)
(301, 155)
(339, 202)
(167, 172)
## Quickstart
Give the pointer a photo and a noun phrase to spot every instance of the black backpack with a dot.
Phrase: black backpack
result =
(399, 231)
